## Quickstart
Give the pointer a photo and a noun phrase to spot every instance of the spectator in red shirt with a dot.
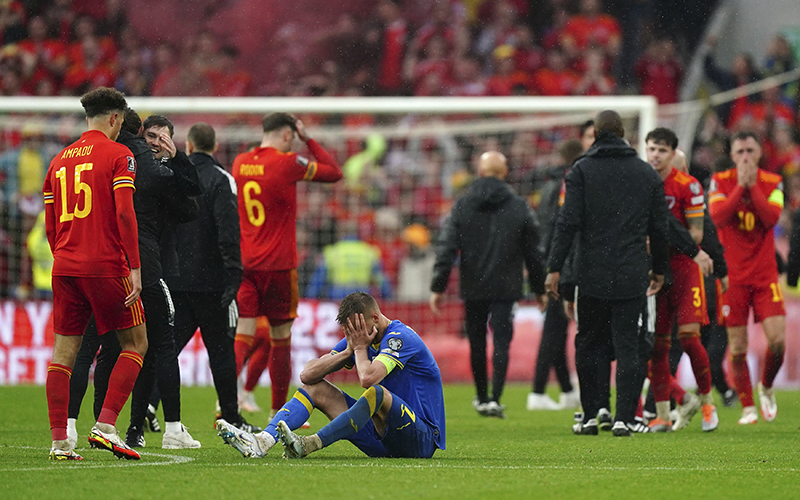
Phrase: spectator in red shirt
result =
(502, 30)
(786, 155)
(435, 63)
(555, 78)
(551, 38)
(48, 56)
(88, 71)
(591, 27)
(85, 29)
(529, 56)
(595, 80)
(467, 78)
(507, 80)
(660, 72)
(228, 79)
(392, 47)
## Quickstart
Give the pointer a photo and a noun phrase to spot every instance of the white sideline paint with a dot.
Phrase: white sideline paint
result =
(84, 464)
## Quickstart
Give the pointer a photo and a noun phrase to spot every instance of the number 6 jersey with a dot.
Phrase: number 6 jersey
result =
(745, 218)
(81, 183)
(267, 196)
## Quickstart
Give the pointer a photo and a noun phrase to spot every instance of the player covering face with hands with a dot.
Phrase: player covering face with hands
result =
(400, 413)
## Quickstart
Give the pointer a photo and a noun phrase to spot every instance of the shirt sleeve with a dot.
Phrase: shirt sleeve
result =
(398, 347)
(694, 202)
(124, 171)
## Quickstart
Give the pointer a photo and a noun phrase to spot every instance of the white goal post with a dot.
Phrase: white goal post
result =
(643, 107)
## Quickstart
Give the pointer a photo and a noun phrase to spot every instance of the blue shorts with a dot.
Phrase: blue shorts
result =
(407, 435)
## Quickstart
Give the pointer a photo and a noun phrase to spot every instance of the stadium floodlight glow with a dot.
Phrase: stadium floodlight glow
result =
(645, 107)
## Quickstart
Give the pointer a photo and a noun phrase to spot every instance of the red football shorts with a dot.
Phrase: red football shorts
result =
(766, 301)
(684, 298)
(75, 299)
(273, 294)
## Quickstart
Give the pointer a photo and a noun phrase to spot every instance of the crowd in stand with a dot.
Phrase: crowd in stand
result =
(448, 47)
(493, 47)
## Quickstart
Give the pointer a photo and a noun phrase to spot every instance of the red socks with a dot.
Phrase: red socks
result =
(257, 363)
(57, 387)
(659, 368)
(120, 384)
(741, 379)
(690, 342)
(242, 344)
(280, 370)
(772, 363)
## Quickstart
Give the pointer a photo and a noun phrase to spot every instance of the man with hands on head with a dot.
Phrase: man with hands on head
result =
(400, 414)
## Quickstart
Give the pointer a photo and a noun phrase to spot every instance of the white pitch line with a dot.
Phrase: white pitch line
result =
(78, 465)
(500, 467)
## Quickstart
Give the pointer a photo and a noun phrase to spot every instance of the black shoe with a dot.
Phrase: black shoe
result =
(604, 419)
(729, 398)
(242, 425)
(585, 428)
(620, 429)
(150, 420)
(135, 437)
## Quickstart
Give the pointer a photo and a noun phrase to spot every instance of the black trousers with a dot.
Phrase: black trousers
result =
(217, 325)
(553, 349)
(109, 349)
(599, 319)
(499, 316)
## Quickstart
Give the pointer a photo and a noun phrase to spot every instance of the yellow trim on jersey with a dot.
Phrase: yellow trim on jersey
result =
(776, 198)
(716, 197)
(389, 362)
(303, 399)
(311, 171)
(123, 181)
(691, 213)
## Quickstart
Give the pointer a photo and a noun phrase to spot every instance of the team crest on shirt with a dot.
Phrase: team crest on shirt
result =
(695, 188)
(670, 201)
(302, 161)
(726, 310)
(131, 164)
(395, 343)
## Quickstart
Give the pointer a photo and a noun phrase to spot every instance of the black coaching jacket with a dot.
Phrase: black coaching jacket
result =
(614, 201)
(495, 232)
(208, 247)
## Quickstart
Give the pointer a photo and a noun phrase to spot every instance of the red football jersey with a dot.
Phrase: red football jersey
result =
(745, 218)
(684, 196)
(266, 183)
(80, 185)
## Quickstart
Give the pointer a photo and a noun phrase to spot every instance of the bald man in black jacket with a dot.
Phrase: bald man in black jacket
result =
(615, 202)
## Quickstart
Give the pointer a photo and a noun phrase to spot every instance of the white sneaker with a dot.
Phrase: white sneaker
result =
(686, 411)
(569, 400)
(769, 407)
(72, 434)
(710, 418)
(59, 454)
(294, 446)
(247, 402)
(248, 444)
(749, 415)
(541, 402)
(179, 440)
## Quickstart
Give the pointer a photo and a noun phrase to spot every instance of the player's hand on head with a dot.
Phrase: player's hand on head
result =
(301, 130)
(361, 335)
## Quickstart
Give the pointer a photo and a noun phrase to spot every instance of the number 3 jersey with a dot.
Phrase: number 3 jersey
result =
(81, 183)
(740, 214)
(267, 196)
(413, 375)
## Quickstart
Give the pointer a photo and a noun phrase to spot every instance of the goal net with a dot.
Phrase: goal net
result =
(405, 161)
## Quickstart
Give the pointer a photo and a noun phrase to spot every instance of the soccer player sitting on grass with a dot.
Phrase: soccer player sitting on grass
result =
(400, 414)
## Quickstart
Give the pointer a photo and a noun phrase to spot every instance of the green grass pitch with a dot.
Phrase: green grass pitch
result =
(527, 455)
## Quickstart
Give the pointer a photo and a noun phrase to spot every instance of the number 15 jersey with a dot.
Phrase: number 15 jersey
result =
(749, 241)
(267, 196)
(80, 184)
